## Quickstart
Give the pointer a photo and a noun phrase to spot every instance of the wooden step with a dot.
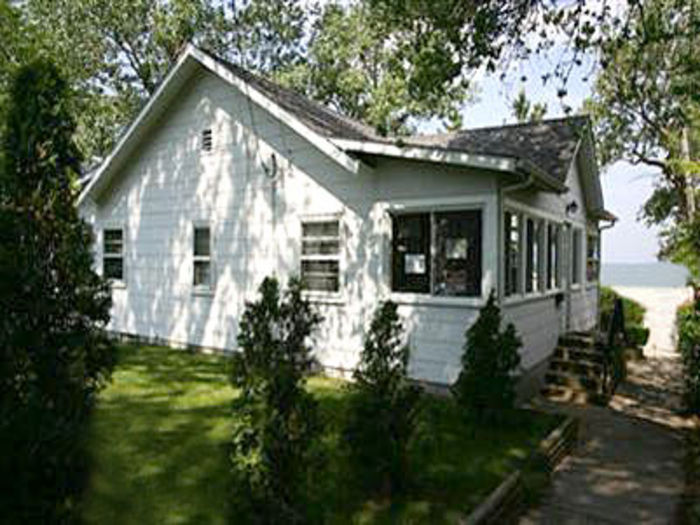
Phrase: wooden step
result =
(565, 394)
(567, 353)
(577, 339)
(581, 367)
(557, 377)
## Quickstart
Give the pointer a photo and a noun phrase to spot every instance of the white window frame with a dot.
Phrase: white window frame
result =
(335, 295)
(595, 234)
(526, 213)
(203, 289)
(115, 283)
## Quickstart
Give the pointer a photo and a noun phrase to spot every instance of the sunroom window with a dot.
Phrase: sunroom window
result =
(320, 255)
(512, 252)
(534, 254)
(438, 253)
(553, 256)
(592, 257)
(576, 256)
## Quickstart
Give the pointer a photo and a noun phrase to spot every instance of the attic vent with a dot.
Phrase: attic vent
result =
(206, 140)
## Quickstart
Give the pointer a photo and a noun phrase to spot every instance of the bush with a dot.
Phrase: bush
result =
(688, 325)
(383, 413)
(54, 355)
(633, 311)
(275, 418)
(486, 384)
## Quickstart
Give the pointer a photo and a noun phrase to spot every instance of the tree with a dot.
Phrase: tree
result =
(525, 111)
(360, 65)
(646, 110)
(276, 419)
(55, 356)
(383, 414)
(486, 384)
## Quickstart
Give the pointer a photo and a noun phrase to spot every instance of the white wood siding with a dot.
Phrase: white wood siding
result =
(169, 185)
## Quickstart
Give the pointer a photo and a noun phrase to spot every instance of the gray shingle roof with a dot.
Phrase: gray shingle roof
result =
(550, 145)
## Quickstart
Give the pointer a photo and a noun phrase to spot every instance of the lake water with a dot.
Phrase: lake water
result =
(655, 275)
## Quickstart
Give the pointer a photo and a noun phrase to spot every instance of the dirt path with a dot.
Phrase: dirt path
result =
(628, 467)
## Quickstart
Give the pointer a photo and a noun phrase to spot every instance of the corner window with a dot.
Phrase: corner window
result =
(439, 248)
(553, 277)
(113, 254)
(458, 253)
(411, 253)
(202, 275)
(576, 256)
(592, 257)
(320, 256)
(512, 252)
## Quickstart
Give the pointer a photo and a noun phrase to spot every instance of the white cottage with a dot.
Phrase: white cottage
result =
(225, 178)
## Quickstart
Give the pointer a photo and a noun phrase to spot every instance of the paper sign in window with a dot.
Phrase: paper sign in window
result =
(414, 263)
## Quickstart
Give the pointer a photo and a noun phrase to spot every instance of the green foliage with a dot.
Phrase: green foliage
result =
(688, 325)
(633, 311)
(383, 414)
(364, 67)
(486, 384)
(54, 354)
(276, 420)
(525, 111)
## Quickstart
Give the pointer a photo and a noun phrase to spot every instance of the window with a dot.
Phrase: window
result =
(534, 254)
(207, 140)
(553, 277)
(576, 256)
(113, 254)
(411, 253)
(592, 257)
(442, 248)
(202, 275)
(512, 252)
(320, 255)
(458, 253)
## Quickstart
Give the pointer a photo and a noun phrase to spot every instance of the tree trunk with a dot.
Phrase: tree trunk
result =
(687, 174)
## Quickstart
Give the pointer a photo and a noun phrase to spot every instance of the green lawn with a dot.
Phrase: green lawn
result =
(159, 436)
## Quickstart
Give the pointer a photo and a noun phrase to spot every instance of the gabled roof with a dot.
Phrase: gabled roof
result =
(544, 150)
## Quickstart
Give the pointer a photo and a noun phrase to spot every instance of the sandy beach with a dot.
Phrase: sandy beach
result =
(661, 304)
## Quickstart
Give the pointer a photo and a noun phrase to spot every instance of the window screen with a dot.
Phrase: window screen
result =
(202, 257)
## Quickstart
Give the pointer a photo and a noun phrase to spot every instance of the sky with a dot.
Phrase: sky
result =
(625, 187)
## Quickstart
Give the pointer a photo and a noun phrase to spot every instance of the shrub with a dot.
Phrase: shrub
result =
(276, 419)
(383, 413)
(54, 356)
(633, 311)
(486, 384)
(688, 325)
